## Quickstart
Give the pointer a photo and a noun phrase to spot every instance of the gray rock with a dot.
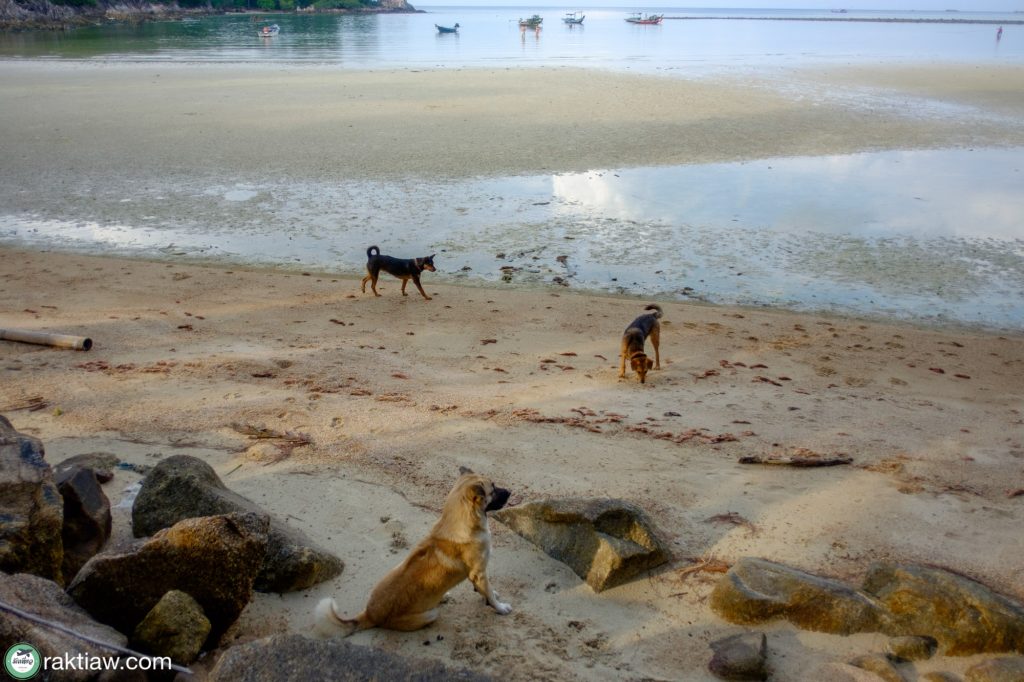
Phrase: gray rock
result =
(214, 559)
(87, 520)
(102, 463)
(31, 509)
(175, 627)
(1003, 669)
(912, 648)
(182, 487)
(963, 615)
(757, 590)
(296, 658)
(45, 599)
(740, 657)
(879, 665)
(605, 542)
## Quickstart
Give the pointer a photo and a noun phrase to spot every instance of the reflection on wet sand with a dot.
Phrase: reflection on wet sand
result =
(930, 235)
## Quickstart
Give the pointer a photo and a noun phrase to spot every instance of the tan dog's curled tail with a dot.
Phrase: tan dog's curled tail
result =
(329, 623)
(656, 308)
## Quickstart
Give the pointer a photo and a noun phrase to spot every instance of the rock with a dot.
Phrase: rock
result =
(31, 509)
(214, 559)
(963, 615)
(606, 542)
(45, 599)
(912, 648)
(841, 672)
(182, 487)
(757, 590)
(740, 657)
(296, 658)
(87, 520)
(175, 627)
(1004, 669)
(102, 463)
(880, 665)
(939, 676)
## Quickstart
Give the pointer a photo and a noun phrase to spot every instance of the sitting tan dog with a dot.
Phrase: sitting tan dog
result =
(458, 547)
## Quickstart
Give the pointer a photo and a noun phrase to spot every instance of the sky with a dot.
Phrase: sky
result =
(928, 5)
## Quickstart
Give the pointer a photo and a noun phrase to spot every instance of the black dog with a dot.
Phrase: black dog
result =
(402, 268)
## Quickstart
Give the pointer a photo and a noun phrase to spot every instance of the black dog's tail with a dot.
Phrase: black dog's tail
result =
(370, 252)
(656, 308)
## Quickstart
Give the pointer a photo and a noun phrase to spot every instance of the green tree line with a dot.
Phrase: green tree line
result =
(244, 4)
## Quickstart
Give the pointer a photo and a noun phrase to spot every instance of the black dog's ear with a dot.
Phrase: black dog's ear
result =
(464, 470)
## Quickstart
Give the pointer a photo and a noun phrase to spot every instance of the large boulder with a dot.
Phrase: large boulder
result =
(47, 601)
(296, 658)
(87, 520)
(182, 487)
(31, 509)
(606, 542)
(214, 559)
(963, 615)
(176, 627)
(757, 590)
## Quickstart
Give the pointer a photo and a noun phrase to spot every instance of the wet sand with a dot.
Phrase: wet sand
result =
(395, 393)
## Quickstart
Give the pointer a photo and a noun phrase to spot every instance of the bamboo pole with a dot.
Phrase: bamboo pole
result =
(46, 339)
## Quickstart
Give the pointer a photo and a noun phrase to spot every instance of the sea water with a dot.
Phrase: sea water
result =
(925, 235)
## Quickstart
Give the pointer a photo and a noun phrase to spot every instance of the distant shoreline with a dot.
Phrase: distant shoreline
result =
(876, 20)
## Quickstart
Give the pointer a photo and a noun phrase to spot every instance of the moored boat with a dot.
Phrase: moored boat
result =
(649, 19)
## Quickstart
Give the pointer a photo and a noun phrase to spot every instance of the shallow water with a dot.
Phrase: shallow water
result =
(490, 36)
(926, 235)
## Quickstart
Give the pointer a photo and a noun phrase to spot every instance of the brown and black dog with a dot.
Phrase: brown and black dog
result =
(633, 343)
(402, 268)
(458, 547)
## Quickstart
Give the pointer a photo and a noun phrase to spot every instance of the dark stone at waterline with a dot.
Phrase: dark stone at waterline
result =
(182, 487)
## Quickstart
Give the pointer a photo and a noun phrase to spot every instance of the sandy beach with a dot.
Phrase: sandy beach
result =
(395, 393)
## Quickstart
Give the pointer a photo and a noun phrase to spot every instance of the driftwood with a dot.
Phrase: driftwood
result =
(797, 460)
(46, 339)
